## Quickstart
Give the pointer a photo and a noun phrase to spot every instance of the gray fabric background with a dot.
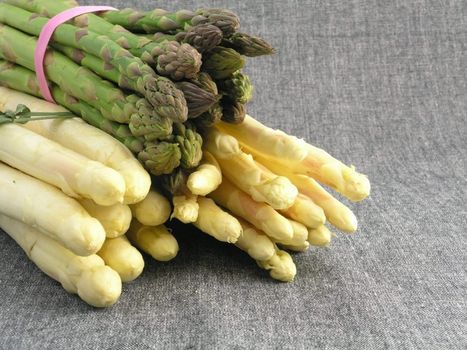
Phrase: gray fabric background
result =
(380, 84)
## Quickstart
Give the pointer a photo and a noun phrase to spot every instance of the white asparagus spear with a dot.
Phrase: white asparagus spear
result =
(260, 215)
(120, 255)
(298, 242)
(185, 208)
(255, 243)
(216, 222)
(207, 176)
(41, 205)
(153, 210)
(240, 168)
(74, 174)
(337, 213)
(75, 134)
(281, 266)
(156, 241)
(305, 211)
(115, 218)
(320, 237)
(95, 283)
(265, 140)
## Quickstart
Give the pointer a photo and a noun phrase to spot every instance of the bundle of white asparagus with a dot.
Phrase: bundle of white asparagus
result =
(82, 207)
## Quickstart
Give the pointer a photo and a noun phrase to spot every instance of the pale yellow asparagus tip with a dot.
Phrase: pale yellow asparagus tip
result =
(120, 255)
(207, 176)
(216, 222)
(153, 210)
(156, 241)
(115, 219)
(95, 283)
(137, 179)
(305, 211)
(255, 243)
(281, 266)
(298, 242)
(320, 237)
(270, 142)
(278, 192)
(350, 183)
(185, 208)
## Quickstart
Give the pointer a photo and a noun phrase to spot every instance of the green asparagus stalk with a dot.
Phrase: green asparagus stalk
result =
(177, 61)
(154, 158)
(190, 143)
(203, 37)
(251, 46)
(237, 87)
(221, 62)
(162, 21)
(86, 86)
(160, 92)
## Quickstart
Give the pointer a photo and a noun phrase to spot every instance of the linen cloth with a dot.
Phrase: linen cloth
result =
(378, 84)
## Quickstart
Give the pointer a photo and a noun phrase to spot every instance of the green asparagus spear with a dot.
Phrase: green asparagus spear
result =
(77, 81)
(163, 21)
(237, 87)
(160, 92)
(221, 62)
(22, 79)
(160, 157)
(190, 143)
(233, 112)
(203, 37)
(178, 61)
(198, 100)
(251, 46)
(209, 118)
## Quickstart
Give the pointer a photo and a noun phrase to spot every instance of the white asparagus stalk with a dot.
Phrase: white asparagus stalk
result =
(41, 205)
(120, 255)
(207, 177)
(260, 215)
(255, 243)
(153, 210)
(156, 241)
(216, 222)
(265, 140)
(298, 242)
(281, 266)
(305, 211)
(115, 219)
(185, 208)
(50, 162)
(337, 213)
(320, 237)
(246, 174)
(96, 284)
(76, 135)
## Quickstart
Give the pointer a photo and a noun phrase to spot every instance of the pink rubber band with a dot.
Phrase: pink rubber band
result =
(46, 35)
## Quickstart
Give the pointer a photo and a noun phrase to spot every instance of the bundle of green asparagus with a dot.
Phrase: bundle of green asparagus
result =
(169, 87)
(141, 86)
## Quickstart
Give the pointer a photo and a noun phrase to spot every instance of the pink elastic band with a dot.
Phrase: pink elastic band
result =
(46, 34)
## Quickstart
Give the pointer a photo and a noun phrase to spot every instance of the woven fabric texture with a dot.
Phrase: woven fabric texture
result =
(378, 84)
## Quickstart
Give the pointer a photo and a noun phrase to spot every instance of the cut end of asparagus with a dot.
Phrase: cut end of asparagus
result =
(178, 61)
(227, 21)
(203, 37)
